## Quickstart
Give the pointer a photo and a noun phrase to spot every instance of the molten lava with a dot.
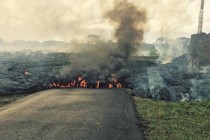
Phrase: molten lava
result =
(82, 83)
(110, 86)
(98, 84)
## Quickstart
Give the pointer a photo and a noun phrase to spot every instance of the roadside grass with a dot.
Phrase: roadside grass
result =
(9, 99)
(174, 120)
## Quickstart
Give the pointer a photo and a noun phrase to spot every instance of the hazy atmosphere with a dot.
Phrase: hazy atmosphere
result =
(105, 69)
(66, 20)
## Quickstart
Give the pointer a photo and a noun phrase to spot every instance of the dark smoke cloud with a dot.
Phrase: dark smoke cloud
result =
(103, 62)
(130, 29)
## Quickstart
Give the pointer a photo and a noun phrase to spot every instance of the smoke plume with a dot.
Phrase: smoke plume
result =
(105, 62)
(130, 21)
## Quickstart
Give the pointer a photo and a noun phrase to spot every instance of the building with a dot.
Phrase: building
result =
(200, 48)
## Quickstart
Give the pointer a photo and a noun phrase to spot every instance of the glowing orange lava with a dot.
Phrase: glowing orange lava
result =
(82, 83)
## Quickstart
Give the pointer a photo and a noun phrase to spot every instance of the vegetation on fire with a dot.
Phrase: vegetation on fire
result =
(174, 120)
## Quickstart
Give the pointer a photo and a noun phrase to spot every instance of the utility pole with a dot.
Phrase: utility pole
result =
(200, 21)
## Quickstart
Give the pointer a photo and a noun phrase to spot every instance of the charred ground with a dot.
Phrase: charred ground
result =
(30, 72)
(25, 73)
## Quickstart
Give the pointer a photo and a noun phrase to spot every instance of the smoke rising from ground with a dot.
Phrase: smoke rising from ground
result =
(100, 61)
(129, 18)
(105, 61)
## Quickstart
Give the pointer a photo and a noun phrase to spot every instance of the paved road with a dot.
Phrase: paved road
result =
(71, 114)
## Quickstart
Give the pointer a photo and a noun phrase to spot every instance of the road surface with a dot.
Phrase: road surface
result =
(71, 114)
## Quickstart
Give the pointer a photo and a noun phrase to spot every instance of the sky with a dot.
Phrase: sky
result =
(67, 20)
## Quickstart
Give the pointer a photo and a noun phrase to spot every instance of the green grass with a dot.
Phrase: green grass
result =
(9, 99)
(174, 120)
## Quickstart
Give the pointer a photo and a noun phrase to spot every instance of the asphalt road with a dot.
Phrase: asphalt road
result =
(71, 114)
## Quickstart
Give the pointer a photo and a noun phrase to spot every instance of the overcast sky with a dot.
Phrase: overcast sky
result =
(66, 20)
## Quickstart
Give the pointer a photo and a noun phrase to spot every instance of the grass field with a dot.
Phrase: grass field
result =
(9, 99)
(174, 120)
